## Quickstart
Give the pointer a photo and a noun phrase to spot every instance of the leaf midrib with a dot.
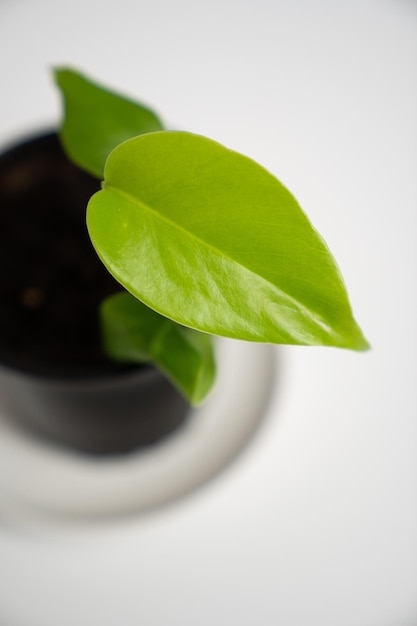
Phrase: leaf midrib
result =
(157, 215)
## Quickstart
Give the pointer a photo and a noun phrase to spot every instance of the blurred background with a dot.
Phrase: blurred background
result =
(315, 524)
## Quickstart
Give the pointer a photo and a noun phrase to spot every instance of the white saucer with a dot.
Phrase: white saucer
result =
(38, 481)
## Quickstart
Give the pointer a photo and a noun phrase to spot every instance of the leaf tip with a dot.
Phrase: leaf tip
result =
(356, 340)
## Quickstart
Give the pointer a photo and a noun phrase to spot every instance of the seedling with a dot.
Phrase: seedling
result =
(204, 241)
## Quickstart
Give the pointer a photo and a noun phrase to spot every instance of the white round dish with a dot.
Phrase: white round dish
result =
(43, 482)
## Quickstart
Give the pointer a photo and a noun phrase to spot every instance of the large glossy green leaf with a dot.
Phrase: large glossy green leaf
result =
(96, 120)
(210, 239)
(134, 333)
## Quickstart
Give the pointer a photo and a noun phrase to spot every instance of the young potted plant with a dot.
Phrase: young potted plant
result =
(197, 240)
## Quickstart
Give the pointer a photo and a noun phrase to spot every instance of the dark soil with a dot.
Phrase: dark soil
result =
(51, 281)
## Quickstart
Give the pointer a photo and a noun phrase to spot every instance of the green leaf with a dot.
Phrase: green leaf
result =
(96, 120)
(134, 333)
(210, 239)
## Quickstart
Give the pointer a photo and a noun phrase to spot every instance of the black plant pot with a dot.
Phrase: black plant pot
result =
(54, 377)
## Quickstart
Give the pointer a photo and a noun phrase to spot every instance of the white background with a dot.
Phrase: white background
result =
(315, 525)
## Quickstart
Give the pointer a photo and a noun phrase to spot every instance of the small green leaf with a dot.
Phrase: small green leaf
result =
(134, 333)
(96, 120)
(210, 239)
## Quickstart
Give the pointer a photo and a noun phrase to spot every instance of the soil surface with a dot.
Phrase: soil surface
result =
(51, 280)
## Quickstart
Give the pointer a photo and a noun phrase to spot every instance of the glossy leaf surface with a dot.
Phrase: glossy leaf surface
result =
(210, 239)
(134, 333)
(96, 120)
